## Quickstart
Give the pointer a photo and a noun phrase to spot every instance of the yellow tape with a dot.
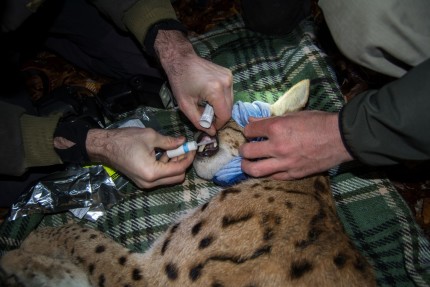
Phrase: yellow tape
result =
(111, 172)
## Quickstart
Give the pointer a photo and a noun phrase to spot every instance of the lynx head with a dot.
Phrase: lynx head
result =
(212, 157)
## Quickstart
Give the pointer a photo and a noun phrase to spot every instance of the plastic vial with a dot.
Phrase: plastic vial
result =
(207, 117)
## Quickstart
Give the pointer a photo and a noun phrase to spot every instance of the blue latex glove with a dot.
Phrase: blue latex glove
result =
(232, 172)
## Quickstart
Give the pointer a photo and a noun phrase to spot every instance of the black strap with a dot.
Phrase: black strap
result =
(76, 132)
(168, 24)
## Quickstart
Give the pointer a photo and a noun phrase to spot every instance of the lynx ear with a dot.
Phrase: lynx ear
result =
(293, 100)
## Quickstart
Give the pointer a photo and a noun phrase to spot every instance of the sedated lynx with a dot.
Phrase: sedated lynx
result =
(260, 232)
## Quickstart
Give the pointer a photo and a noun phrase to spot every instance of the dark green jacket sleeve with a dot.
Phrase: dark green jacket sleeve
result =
(25, 140)
(136, 16)
(390, 125)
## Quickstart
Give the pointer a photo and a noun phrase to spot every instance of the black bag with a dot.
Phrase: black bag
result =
(123, 96)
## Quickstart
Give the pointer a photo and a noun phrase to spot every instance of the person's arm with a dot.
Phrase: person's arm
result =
(140, 18)
(193, 79)
(297, 145)
(29, 141)
(131, 151)
(390, 125)
(384, 127)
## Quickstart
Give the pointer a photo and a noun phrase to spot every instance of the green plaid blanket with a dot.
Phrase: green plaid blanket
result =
(373, 213)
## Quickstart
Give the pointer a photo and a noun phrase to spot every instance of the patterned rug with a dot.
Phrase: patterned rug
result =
(372, 211)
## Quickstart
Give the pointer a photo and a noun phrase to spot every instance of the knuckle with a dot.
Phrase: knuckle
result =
(149, 175)
(278, 150)
(243, 150)
(216, 86)
(149, 133)
(254, 171)
(295, 174)
(247, 130)
(276, 127)
(181, 178)
(143, 184)
(229, 79)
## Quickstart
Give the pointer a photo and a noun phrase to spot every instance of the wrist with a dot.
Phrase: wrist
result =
(338, 142)
(174, 52)
(171, 46)
(342, 133)
(69, 141)
(98, 145)
(170, 27)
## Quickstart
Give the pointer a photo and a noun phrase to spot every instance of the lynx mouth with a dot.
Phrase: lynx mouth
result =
(207, 150)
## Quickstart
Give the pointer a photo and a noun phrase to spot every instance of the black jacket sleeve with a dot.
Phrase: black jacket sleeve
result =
(390, 125)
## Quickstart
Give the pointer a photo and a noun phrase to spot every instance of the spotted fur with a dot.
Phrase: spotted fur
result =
(260, 232)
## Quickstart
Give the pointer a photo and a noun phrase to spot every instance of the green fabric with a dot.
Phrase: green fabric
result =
(373, 213)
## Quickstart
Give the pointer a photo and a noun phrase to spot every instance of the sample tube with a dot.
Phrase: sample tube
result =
(186, 147)
(207, 117)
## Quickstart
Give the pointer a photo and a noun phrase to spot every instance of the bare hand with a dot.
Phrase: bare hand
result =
(131, 151)
(298, 144)
(195, 80)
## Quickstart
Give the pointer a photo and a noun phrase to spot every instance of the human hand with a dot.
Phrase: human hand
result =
(131, 151)
(298, 144)
(195, 80)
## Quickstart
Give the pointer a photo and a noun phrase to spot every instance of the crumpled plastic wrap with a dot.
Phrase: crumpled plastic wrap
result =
(85, 191)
